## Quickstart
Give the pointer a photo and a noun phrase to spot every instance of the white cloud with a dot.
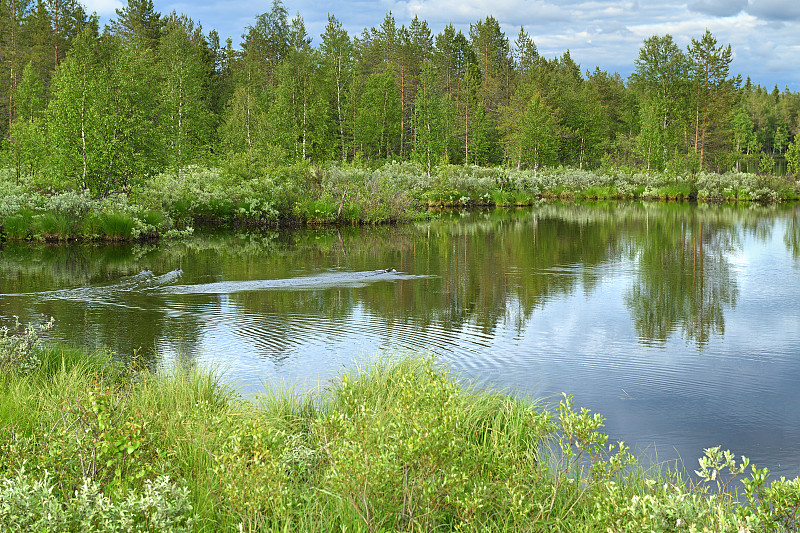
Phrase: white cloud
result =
(529, 13)
(102, 7)
(718, 8)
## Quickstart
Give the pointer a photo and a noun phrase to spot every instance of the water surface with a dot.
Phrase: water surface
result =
(679, 323)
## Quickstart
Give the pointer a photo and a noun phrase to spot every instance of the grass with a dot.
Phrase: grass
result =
(394, 445)
(117, 226)
(18, 226)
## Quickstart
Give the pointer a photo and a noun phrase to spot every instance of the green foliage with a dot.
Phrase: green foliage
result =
(170, 205)
(793, 158)
(18, 226)
(106, 113)
(109, 445)
(183, 114)
(51, 226)
(765, 163)
(101, 115)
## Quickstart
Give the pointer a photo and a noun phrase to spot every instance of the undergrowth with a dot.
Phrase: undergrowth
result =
(89, 443)
(172, 205)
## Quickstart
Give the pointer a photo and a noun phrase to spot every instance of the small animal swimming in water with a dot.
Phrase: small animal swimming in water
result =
(390, 270)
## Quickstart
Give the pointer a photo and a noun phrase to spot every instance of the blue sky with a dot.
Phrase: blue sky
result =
(764, 34)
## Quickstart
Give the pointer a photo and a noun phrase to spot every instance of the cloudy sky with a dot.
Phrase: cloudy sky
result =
(764, 34)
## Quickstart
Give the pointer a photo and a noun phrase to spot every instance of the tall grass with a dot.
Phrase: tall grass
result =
(117, 226)
(18, 226)
(395, 445)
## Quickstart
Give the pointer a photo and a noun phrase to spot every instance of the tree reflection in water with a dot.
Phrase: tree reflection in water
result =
(684, 280)
(487, 270)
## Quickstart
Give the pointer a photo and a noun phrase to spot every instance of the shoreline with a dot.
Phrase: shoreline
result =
(172, 207)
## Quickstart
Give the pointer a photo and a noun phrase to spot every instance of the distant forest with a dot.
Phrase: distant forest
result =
(101, 108)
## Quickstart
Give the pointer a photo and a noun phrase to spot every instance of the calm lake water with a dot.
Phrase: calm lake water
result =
(679, 323)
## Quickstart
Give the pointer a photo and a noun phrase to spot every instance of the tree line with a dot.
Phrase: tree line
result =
(102, 110)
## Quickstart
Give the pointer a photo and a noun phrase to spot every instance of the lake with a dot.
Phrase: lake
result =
(679, 323)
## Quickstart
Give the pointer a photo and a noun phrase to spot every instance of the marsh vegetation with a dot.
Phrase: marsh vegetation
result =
(90, 444)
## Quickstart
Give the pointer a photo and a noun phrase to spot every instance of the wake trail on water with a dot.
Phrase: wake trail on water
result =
(109, 294)
(319, 281)
(147, 283)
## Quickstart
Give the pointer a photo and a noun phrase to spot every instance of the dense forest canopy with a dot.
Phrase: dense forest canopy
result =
(105, 108)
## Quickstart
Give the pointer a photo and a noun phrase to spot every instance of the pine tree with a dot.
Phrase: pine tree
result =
(713, 93)
(492, 54)
(450, 56)
(138, 21)
(525, 55)
(12, 15)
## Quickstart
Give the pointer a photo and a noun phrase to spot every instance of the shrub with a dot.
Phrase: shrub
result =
(19, 347)
(29, 505)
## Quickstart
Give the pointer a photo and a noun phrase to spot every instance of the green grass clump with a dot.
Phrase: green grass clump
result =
(18, 226)
(52, 226)
(116, 226)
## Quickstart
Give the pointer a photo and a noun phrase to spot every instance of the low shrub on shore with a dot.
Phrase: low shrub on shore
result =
(169, 205)
(90, 444)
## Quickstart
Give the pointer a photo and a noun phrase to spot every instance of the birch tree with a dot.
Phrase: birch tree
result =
(184, 114)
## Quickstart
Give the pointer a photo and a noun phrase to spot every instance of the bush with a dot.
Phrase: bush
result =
(19, 347)
(29, 505)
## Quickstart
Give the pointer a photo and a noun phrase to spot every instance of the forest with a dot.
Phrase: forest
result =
(105, 110)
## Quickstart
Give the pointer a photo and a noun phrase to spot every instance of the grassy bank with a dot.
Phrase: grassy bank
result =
(171, 206)
(88, 444)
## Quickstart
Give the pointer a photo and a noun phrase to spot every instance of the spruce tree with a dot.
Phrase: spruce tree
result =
(138, 20)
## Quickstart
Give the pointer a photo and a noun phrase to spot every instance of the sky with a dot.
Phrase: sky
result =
(764, 34)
